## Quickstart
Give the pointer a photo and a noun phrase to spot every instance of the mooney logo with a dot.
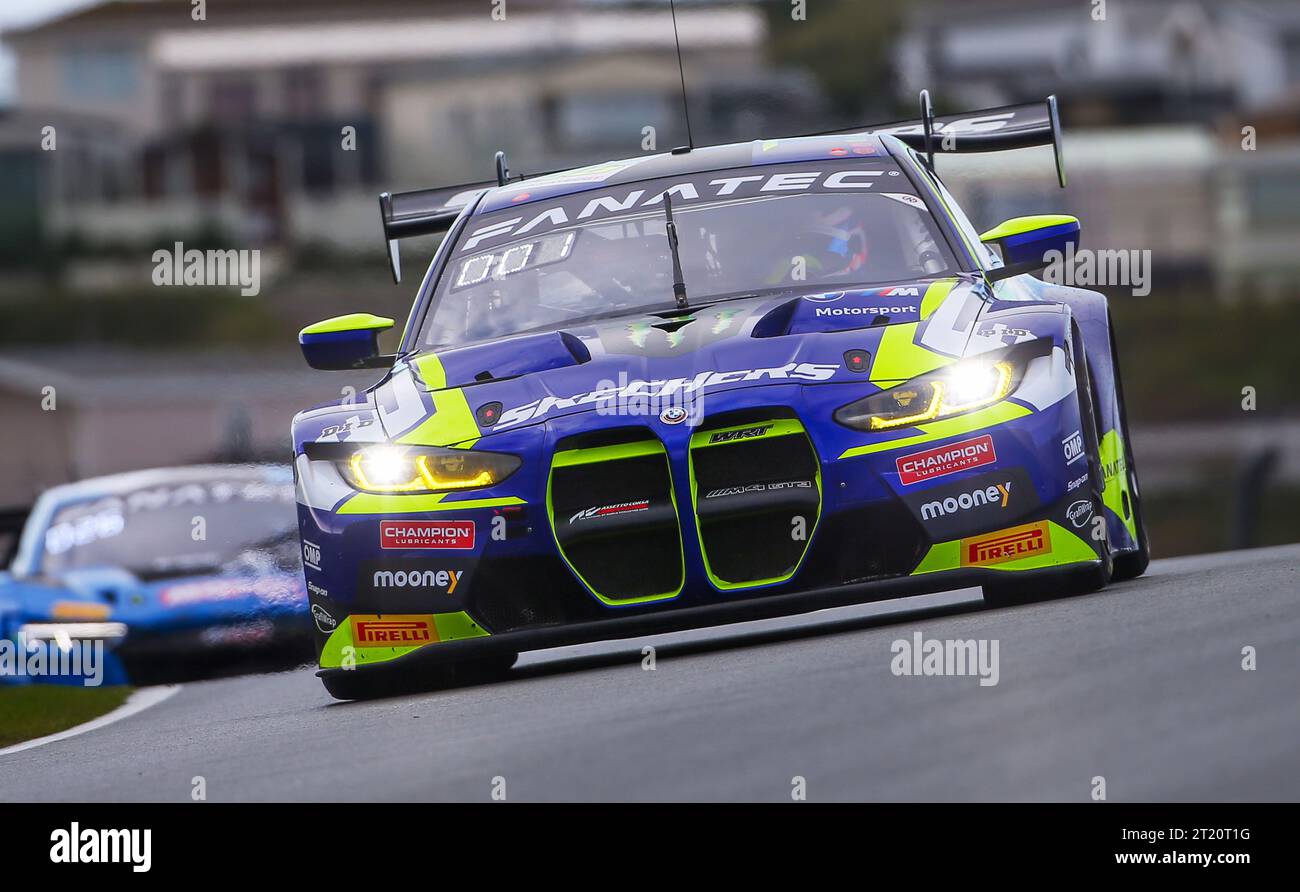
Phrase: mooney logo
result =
(418, 579)
(426, 534)
(608, 510)
(997, 494)
(393, 631)
(1006, 545)
(946, 460)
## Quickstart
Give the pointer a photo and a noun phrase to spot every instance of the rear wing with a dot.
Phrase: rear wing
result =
(998, 129)
(430, 211)
(423, 212)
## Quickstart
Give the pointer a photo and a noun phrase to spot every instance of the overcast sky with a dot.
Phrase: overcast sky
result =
(16, 13)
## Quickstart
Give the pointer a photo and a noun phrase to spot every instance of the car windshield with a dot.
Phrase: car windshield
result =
(548, 264)
(224, 525)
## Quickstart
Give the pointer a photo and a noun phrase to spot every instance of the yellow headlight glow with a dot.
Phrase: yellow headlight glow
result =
(394, 469)
(962, 387)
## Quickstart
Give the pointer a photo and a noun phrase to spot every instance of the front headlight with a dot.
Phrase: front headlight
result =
(412, 469)
(961, 387)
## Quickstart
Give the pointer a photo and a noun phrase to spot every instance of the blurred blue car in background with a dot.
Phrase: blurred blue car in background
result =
(180, 572)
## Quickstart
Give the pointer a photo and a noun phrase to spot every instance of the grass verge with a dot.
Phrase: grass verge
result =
(36, 710)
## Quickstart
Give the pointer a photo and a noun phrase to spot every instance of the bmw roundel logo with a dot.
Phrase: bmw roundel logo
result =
(673, 415)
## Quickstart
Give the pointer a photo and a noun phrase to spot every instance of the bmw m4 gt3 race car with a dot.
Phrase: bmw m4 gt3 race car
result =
(716, 384)
(175, 570)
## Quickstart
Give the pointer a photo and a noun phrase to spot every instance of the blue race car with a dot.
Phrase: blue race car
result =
(721, 383)
(179, 571)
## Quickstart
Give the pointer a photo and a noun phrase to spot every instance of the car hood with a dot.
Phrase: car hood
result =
(440, 398)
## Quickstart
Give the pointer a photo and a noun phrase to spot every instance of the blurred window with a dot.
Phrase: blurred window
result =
(1274, 197)
(304, 93)
(99, 73)
(250, 526)
(611, 119)
(766, 229)
(232, 100)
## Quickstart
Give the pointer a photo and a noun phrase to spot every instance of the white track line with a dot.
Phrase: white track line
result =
(138, 702)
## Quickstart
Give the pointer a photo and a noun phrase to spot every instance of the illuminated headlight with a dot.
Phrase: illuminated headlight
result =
(408, 469)
(961, 387)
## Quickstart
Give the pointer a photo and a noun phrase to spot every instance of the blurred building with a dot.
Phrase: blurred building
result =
(280, 120)
(84, 413)
(1154, 99)
(1146, 62)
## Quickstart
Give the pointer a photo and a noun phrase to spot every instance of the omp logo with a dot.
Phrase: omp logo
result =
(393, 631)
(609, 510)
(78, 846)
(1072, 447)
(864, 311)
(998, 494)
(1006, 545)
(408, 534)
(436, 579)
(946, 460)
(311, 554)
(742, 434)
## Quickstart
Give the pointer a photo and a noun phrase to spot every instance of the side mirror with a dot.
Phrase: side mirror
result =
(345, 342)
(1026, 242)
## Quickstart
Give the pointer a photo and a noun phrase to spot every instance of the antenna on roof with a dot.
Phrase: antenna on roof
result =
(927, 129)
(503, 172)
(681, 67)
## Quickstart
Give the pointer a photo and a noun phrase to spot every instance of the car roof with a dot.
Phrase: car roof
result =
(759, 152)
(129, 481)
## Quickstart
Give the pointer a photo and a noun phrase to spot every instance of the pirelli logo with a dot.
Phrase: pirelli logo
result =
(1006, 545)
(393, 631)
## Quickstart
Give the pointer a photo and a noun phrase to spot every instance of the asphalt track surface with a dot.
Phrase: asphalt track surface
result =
(1141, 684)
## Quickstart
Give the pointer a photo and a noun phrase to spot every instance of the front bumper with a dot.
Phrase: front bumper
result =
(430, 658)
(843, 527)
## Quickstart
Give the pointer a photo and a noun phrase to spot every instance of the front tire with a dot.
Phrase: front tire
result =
(1072, 579)
(1129, 564)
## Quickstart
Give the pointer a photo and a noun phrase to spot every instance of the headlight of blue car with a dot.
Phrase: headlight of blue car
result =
(953, 390)
(389, 468)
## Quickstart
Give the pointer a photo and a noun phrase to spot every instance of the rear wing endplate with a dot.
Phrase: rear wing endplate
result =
(988, 130)
(422, 212)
